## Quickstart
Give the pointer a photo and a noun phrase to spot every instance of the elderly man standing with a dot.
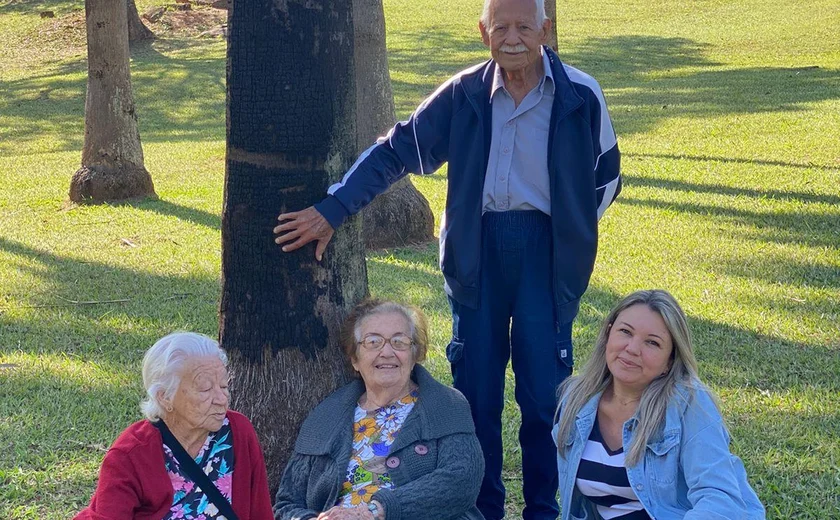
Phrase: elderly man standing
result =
(533, 164)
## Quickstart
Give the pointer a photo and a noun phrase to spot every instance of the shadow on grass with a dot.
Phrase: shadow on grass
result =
(79, 365)
(35, 7)
(744, 365)
(794, 227)
(114, 337)
(185, 213)
(786, 271)
(161, 303)
(706, 158)
(647, 79)
(178, 98)
(716, 189)
(729, 356)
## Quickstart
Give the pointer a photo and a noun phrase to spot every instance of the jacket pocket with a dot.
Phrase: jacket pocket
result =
(662, 461)
(455, 351)
(564, 351)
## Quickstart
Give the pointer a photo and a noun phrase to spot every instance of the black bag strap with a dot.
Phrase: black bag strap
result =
(197, 475)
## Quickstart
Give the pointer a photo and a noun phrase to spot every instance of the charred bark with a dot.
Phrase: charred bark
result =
(291, 133)
(400, 216)
(112, 158)
(137, 30)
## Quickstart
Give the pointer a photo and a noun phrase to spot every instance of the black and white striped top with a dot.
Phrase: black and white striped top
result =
(602, 478)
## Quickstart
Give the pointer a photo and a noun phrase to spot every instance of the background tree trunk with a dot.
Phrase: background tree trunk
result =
(291, 132)
(112, 157)
(137, 30)
(400, 216)
(551, 12)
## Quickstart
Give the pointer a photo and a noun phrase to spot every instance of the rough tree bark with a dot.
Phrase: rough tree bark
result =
(400, 216)
(137, 30)
(291, 132)
(112, 158)
(551, 13)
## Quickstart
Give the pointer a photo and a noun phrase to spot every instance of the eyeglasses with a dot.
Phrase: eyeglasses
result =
(398, 342)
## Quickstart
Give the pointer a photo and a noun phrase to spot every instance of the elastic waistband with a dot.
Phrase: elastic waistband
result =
(503, 219)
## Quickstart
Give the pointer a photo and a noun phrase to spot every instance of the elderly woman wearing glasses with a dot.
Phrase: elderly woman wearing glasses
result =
(393, 444)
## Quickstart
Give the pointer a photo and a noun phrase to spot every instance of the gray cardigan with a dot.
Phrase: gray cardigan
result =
(435, 463)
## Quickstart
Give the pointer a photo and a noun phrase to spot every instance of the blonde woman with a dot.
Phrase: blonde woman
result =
(639, 435)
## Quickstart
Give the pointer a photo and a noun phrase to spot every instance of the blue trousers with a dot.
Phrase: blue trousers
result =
(515, 320)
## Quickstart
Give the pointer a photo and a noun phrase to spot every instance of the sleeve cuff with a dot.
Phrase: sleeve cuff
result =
(333, 211)
(389, 501)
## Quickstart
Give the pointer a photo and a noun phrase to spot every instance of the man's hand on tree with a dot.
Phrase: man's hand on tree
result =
(299, 228)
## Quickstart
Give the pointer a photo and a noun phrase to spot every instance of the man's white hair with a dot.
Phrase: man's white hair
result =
(163, 363)
(485, 14)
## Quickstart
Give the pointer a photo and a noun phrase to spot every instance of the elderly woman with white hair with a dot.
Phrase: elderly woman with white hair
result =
(191, 458)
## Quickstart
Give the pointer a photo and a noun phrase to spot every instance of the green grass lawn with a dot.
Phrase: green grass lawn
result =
(728, 115)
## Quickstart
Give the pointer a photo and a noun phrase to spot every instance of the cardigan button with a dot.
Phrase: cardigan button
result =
(421, 449)
(392, 462)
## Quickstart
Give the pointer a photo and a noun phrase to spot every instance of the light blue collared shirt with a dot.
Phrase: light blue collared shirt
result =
(517, 168)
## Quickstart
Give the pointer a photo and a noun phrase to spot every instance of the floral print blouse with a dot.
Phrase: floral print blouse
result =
(373, 434)
(216, 459)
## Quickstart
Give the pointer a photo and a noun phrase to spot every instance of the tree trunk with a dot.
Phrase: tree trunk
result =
(291, 132)
(112, 157)
(400, 216)
(551, 13)
(137, 30)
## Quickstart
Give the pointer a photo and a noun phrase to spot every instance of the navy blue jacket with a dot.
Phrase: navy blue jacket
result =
(454, 125)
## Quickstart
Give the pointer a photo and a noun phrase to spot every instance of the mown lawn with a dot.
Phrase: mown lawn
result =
(728, 115)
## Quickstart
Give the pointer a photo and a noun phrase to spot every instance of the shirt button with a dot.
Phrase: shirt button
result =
(639, 487)
(509, 123)
(503, 205)
(506, 150)
(502, 178)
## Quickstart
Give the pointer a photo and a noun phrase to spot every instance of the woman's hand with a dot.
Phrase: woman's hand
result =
(360, 512)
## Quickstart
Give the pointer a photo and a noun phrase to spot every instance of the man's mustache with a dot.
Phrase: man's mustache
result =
(513, 48)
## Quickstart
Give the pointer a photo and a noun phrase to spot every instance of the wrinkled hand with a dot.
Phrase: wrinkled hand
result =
(304, 227)
(346, 513)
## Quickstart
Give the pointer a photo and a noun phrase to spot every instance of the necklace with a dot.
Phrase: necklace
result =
(368, 400)
(625, 403)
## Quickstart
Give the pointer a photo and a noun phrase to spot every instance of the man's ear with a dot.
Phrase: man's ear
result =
(546, 30)
(485, 34)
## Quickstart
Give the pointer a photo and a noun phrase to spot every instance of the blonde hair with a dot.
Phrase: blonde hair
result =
(595, 376)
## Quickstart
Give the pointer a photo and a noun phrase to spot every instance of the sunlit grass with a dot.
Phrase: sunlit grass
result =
(726, 112)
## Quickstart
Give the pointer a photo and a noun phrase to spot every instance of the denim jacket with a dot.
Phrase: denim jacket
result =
(687, 471)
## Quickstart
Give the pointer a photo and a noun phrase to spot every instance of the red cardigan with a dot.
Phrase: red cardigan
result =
(133, 483)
